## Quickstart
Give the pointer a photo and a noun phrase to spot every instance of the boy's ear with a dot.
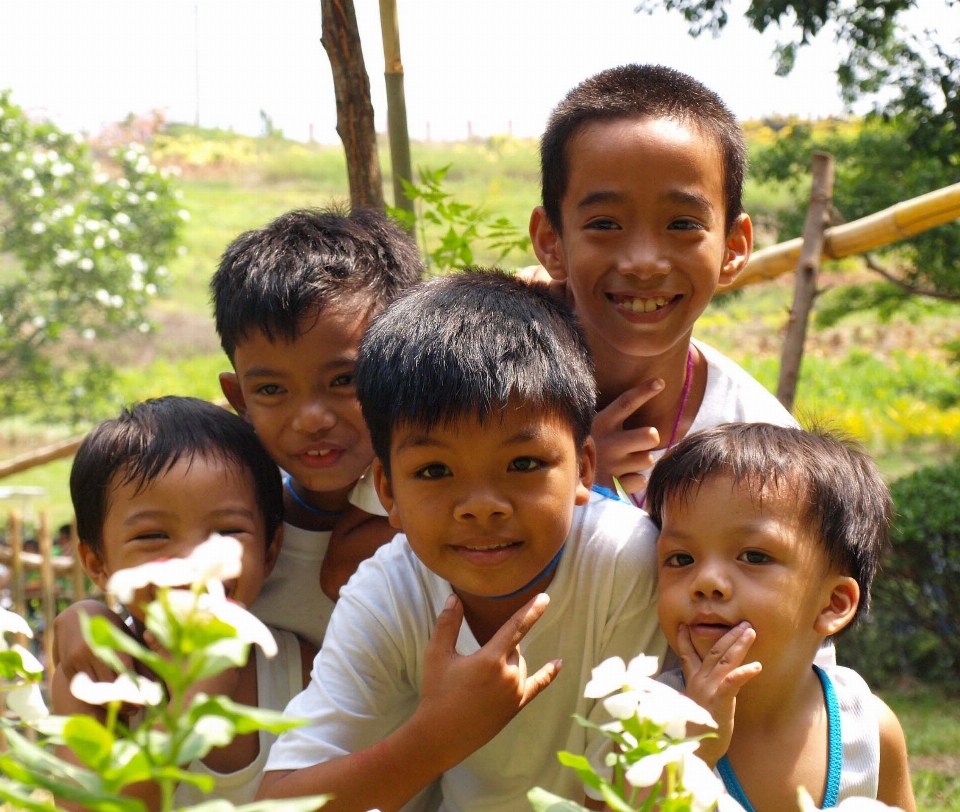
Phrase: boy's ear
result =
(843, 600)
(588, 470)
(230, 386)
(385, 491)
(738, 249)
(547, 244)
(273, 551)
(93, 565)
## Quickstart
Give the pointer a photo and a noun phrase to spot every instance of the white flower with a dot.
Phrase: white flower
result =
(121, 218)
(214, 602)
(28, 174)
(646, 772)
(85, 264)
(13, 623)
(612, 675)
(123, 689)
(99, 242)
(218, 558)
(26, 701)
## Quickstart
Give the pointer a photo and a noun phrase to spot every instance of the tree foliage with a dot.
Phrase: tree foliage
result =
(909, 144)
(81, 257)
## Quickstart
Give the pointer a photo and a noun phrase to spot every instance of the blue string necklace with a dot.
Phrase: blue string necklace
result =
(309, 508)
(547, 570)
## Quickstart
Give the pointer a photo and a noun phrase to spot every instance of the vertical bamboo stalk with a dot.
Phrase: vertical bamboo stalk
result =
(48, 590)
(396, 105)
(79, 577)
(805, 288)
(16, 569)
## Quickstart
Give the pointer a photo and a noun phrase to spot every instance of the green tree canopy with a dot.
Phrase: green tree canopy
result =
(82, 254)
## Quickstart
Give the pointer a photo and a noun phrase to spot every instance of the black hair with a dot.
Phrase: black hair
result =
(272, 278)
(841, 496)
(467, 345)
(640, 92)
(148, 439)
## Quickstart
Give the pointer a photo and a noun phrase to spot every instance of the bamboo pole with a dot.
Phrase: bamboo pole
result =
(898, 222)
(48, 590)
(41, 456)
(805, 288)
(17, 590)
(396, 105)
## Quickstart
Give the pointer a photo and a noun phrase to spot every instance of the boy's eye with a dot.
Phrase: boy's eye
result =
(678, 560)
(754, 557)
(151, 536)
(603, 224)
(268, 389)
(525, 464)
(433, 471)
(685, 224)
(343, 380)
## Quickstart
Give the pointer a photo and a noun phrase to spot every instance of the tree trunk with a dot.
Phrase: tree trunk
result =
(805, 290)
(341, 41)
(396, 105)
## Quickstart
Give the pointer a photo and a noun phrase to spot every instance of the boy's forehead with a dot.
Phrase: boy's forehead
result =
(514, 423)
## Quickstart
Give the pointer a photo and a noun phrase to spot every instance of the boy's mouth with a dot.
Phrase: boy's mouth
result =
(640, 304)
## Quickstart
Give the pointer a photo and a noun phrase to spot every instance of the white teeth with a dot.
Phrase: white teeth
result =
(318, 453)
(494, 547)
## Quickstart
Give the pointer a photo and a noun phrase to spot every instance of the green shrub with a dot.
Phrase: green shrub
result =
(914, 625)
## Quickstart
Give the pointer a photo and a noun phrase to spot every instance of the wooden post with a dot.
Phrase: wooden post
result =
(351, 86)
(48, 590)
(16, 569)
(805, 289)
(396, 105)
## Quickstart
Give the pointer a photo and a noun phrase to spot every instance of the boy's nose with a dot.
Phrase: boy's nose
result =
(644, 259)
(313, 417)
(710, 583)
(483, 505)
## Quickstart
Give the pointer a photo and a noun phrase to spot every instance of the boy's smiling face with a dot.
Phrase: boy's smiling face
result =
(726, 556)
(487, 506)
(177, 511)
(300, 397)
(644, 241)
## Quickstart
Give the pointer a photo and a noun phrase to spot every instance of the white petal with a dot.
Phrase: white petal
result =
(167, 572)
(122, 689)
(640, 668)
(727, 804)
(218, 558)
(805, 801)
(30, 663)
(622, 706)
(606, 678)
(700, 781)
(646, 772)
(12, 622)
(26, 701)
(250, 629)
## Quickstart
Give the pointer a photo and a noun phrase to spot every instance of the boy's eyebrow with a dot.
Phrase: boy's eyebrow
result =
(678, 196)
(425, 440)
(271, 372)
(141, 515)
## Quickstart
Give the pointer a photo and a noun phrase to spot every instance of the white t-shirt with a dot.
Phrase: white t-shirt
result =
(291, 597)
(278, 680)
(366, 679)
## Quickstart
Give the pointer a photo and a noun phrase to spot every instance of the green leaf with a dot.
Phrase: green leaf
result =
(543, 801)
(128, 765)
(89, 739)
(583, 767)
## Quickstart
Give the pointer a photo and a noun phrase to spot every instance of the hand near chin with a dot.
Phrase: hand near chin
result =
(623, 453)
(714, 681)
(469, 699)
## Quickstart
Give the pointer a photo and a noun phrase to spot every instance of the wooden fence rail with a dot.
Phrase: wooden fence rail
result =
(61, 576)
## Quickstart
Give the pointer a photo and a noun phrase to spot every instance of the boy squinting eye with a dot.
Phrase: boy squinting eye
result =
(526, 464)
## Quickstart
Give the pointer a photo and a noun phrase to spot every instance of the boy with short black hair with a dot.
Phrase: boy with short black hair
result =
(770, 539)
(642, 220)
(291, 301)
(155, 483)
(479, 395)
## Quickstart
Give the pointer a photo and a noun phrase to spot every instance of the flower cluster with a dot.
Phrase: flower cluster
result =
(21, 671)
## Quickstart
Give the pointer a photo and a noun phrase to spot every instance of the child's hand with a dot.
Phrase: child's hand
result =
(621, 452)
(471, 699)
(714, 682)
(71, 652)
